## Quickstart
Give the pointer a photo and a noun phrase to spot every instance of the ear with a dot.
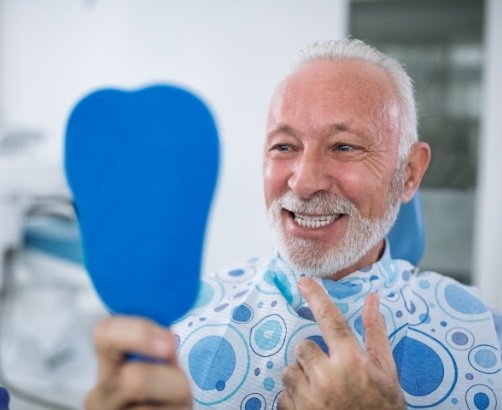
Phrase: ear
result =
(417, 163)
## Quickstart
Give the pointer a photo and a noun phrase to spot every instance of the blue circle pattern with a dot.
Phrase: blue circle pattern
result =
(254, 401)
(218, 364)
(459, 302)
(242, 313)
(420, 368)
(484, 359)
(269, 384)
(428, 367)
(481, 401)
(211, 362)
(427, 370)
(462, 301)
(481, 397)
(267, 336)
(460, 338)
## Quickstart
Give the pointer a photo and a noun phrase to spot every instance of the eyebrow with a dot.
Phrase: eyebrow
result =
(327, 130)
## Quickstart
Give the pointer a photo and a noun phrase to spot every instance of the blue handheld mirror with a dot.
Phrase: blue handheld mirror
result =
(142, 167)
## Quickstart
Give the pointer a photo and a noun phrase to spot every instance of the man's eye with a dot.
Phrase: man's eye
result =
(282, 148)
(344, 147)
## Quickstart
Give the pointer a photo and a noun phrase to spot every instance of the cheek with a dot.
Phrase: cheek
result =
(352, 183)
(365, 191)
(275, 179)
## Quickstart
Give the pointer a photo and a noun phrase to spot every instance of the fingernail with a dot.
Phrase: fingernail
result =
(304, 282)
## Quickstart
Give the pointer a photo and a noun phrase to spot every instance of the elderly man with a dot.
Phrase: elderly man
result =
(330, 321)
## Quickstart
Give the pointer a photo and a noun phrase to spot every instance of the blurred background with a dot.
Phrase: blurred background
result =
(232, 54)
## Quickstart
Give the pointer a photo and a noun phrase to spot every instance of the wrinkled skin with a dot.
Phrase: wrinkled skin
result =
(349, 378)
(126, 384)
(333, 128)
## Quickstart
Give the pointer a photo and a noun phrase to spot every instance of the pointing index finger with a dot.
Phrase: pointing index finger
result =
(333, 326)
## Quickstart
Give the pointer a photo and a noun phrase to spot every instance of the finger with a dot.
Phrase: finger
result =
(333, 326)
(309, 356)
(116, 336)
(293, 378)
(146, 383)
(375, 333)
(286, 402)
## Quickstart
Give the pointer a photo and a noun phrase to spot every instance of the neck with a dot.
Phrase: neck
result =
(370, 258)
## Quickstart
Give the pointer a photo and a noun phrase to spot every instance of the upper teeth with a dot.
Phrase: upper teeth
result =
(315, 221)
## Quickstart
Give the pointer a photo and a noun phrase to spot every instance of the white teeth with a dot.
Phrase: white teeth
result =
(315, 221)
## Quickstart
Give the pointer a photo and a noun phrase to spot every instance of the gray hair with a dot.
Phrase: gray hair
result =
(352, 49)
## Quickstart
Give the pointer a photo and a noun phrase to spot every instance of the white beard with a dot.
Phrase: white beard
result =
(314, 257)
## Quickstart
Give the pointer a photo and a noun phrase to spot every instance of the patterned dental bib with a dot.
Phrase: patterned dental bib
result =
(240, 335)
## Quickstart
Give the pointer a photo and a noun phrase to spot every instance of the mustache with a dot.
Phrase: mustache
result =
(320, 203)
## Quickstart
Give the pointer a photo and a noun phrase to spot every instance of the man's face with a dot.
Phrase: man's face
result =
(331, 180)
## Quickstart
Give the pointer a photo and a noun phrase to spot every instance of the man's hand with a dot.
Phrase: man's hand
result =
(347, 378)
(134, 384)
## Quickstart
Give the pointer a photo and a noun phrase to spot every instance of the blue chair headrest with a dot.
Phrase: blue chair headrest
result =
(407, 237)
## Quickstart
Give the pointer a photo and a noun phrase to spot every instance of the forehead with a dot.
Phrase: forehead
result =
(323, 92)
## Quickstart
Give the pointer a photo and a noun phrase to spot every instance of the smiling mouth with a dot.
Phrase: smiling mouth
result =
(314, 221)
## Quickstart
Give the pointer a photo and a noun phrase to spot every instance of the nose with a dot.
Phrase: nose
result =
(310, 175)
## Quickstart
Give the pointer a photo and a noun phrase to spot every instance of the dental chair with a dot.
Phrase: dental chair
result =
(407, 241)
(407, 237)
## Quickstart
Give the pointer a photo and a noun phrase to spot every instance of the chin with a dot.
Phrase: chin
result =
(314, 256)
(315, 259)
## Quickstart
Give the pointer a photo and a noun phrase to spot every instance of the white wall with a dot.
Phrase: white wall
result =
(230, 52)
(488, 223)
